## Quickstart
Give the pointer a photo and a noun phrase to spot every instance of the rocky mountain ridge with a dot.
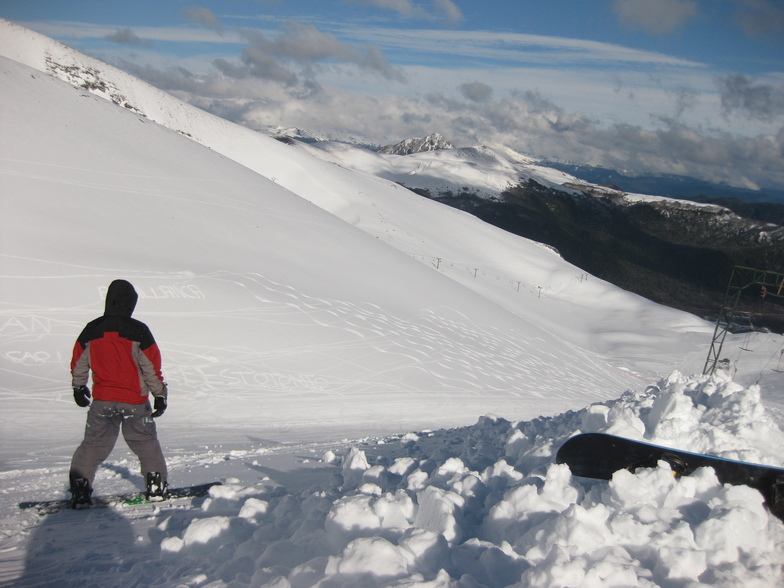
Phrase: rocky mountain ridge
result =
(432, 142)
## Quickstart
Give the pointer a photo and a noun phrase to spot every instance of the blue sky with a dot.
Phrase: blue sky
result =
(679, 86)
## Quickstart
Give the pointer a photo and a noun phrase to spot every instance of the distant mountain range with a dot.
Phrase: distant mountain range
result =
(765, 204)
(668, 184)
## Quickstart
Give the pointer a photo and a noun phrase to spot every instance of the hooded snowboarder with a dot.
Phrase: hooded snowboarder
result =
(126, 368)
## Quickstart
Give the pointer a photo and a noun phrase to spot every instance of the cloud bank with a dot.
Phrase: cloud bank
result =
(302, 77)
(755, 100)
(526, 121)
(297, 52)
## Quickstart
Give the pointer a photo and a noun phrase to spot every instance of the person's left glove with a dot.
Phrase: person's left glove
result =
(82, 395)
(160, 407)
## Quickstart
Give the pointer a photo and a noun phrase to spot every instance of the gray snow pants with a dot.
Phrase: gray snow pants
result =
(104, 421)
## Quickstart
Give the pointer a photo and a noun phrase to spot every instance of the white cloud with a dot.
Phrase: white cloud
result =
(761, 17)
(448, 10)
(403, 7)
(655, 16)
(81, 30)
(445, 10)
(508, 47)
(756, 100)
(476, 91)
(203, 16)
(305, 46)
(128, 37)
(469, 46)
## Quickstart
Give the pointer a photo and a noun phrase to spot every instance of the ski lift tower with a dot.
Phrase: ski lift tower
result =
(771, 284)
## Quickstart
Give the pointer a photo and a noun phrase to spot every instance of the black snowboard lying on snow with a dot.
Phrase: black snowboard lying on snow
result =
(44, 507)
(599, 455)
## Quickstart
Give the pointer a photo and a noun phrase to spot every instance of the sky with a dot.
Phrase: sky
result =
(688, 87)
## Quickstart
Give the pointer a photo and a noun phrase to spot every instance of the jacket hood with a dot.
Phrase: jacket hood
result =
(120, 299)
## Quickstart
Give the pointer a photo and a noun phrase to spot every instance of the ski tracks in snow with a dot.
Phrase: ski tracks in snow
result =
(235, 341)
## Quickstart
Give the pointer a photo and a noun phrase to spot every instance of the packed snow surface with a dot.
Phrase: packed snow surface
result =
(380, 382)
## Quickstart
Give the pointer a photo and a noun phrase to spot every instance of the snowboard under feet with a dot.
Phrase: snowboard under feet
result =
(45, 507)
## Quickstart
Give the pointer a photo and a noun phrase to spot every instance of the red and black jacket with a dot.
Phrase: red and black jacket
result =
(120, 351)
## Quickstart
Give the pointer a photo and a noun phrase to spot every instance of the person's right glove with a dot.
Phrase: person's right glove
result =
(160, 406)
(82, 395)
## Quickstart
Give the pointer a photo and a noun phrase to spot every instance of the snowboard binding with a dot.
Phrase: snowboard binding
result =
(677, 465)
(81, 493)
(776, 504)
(157, 489)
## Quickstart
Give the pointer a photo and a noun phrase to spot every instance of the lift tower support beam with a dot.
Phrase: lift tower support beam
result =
(772, 284)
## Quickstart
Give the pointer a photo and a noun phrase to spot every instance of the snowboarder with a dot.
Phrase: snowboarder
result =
(126, 367)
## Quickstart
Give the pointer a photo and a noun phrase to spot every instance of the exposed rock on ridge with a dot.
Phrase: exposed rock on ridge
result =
(432, 142)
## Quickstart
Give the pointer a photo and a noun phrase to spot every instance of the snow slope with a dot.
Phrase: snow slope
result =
(304, 341)
(530, 290)
(254, 291)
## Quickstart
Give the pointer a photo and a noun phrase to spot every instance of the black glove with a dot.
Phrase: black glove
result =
(160, 407)
(82, 395)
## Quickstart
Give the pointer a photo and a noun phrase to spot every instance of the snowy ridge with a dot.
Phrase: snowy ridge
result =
(290, 330)
(432, 142)
(486, 172)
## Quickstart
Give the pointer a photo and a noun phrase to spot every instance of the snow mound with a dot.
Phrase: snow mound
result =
(487, 506)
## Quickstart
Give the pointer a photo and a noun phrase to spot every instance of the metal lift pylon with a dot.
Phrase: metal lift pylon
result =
(771, 283)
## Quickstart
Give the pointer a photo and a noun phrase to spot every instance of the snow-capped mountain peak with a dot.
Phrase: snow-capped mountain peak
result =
(432, 142)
